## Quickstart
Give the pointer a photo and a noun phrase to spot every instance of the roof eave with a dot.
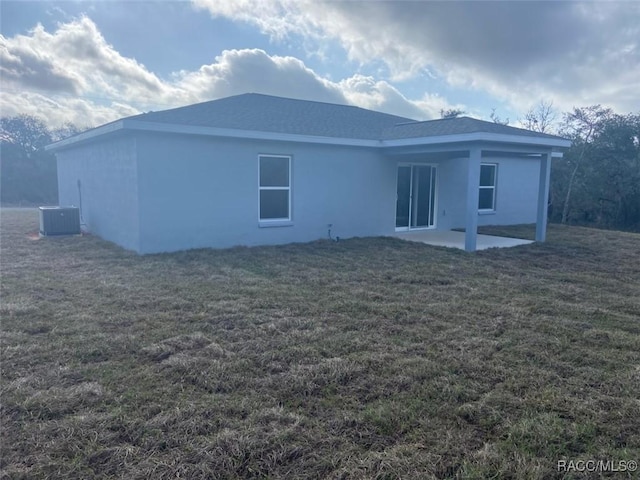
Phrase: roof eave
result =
(552, 142)
(136, 125)
(84, 137)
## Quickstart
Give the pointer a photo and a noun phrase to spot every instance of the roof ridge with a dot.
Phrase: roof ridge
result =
(449, 119)
(277, 97)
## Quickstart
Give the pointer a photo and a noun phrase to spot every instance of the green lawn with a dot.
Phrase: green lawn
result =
(367, 358)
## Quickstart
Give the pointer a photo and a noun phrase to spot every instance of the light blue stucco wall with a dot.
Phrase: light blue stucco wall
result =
(451, 193)
(107, 171)
(203, 192)
(167, 192)
(516, 192)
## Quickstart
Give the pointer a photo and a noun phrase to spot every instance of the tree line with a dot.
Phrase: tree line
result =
(28, 173)
(596, 183)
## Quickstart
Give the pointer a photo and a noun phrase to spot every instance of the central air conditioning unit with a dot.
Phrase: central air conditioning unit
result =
(59, 221)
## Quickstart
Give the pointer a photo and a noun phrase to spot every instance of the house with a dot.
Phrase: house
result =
(256, 169)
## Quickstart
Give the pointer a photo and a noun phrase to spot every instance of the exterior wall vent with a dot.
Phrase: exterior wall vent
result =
(59, 220)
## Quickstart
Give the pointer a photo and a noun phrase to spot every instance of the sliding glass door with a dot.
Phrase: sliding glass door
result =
(416, 197)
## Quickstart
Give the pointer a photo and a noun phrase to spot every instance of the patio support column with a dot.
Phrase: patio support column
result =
(473, 186)
(543, 197)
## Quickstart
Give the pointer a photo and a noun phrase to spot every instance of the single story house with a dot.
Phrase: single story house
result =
(256, 170)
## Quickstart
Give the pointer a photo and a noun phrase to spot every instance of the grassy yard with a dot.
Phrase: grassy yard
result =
(368, 358)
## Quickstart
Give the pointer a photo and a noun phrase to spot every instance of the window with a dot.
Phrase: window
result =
(275, 187)
(487, 194)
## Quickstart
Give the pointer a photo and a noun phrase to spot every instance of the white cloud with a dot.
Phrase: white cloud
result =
(55, 111)
(23, 64)
(253, 70)
(75, 59)
(573, 54)
(368, 92)
(74, 75)
(519, 52)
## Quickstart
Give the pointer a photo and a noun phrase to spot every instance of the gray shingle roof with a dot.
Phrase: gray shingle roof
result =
(265, 113)
(454, 126)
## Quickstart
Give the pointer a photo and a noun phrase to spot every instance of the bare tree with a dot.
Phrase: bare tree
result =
(27, 172)
(65, 131)
(496, 119)
(540, 118)
(451, 113)
(581, 126)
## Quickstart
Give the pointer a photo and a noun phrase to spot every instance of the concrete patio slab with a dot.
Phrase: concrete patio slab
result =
(454, 239)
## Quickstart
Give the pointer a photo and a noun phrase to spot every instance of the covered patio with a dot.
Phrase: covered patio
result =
(456, 239)
(440, 187)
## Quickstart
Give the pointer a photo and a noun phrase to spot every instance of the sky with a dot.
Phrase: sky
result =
(91, 62)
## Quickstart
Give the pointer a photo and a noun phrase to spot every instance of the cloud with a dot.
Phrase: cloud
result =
(253, 70)
(380, 95)
(25, 65)
(74, 75)
(572, 53)
(75, 59)
(55, 111)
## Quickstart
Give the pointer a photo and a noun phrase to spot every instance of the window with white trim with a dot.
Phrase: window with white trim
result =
(487, 193)
(275, 188)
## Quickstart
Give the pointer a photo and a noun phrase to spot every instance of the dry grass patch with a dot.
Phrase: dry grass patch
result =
(368, 358)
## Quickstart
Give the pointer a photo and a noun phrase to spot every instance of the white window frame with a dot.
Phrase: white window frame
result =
(489, 187)
(282, 220)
